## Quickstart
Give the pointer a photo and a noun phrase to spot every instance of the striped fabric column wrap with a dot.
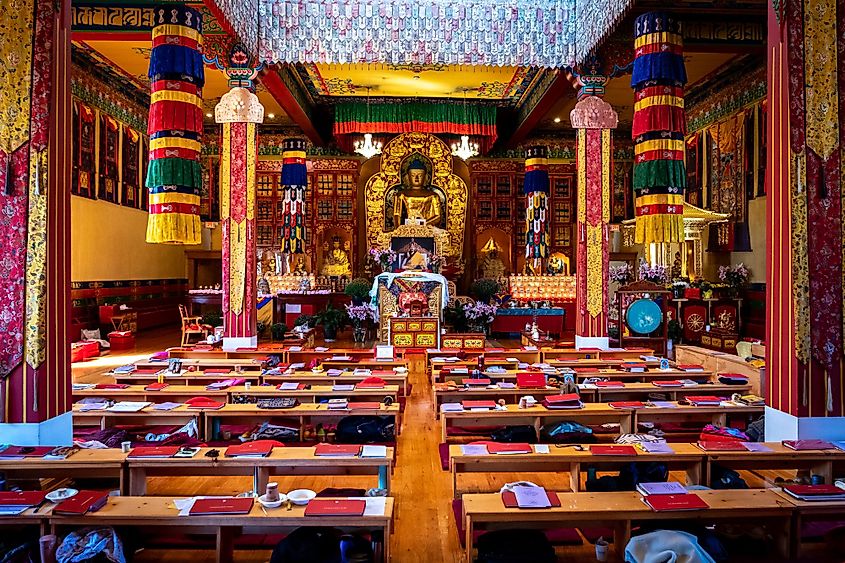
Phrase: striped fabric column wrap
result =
(174, 174)
(294, 184)
(658, 129)
(536, 189)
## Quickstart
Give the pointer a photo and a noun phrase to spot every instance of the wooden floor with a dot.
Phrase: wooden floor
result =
(425, 530)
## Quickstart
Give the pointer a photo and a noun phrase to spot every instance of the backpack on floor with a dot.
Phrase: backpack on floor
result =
(565, 432)
(364, 429)
(515, 434)
(515, 546)
(308, 545)
(724, 478)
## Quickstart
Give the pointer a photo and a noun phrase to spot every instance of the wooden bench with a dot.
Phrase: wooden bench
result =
(184, 392)
(304, 413)
(197, 378)
(620, 509)
(281, 461)
(103, 463)
(566, 458)
(138, 392)
(817, 462)
(179, 416)
(219, 354)
(309, 377)
(809, 511)
(160, 512)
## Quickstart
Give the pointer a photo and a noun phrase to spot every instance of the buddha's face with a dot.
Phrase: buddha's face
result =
(335, 244)
(416, 178)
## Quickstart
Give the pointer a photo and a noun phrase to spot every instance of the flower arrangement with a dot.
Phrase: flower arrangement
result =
(383, 258)
(655, 274)
(735, 276)
(360, 314)
(622, 274)
(481, 313)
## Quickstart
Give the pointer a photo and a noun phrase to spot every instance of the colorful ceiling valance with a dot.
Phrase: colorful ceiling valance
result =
(468, 32)
(445, 119)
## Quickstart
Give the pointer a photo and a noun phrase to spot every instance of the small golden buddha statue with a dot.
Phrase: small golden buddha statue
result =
(417, 200)
(492, 266)
(336, 261)
(299, 268)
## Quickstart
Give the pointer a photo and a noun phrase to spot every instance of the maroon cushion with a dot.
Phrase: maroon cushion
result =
(557, 536)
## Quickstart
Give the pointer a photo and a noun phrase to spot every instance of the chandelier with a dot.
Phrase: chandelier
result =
(465, 149)
(367, 148)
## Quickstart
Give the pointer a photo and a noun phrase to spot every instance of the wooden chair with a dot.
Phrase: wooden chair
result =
(192, 325)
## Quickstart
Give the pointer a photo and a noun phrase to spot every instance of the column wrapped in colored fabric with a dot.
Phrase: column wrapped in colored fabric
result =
(174, 173)
(294, 184)
(536, 189)
(658, 129)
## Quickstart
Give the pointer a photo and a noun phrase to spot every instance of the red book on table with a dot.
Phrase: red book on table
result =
(479, 381)
(324, 449)
(217, 371)
(609, 384)
(26, 451)
(509, 499)
(146, 371)
(566, 398)
(21, 498)
(513, 448)
(530, 380)
(626, 404)
(112, 386)
(367, 405)
(335, 507)
(228, 505)
(156, 386)
(668, 383)
(371, 383)
(478, 404)
(153, 451)
(261, 448)
(800, 445)
(721, 446)
(690, 367)
(812, 490)
(82, 502)
(669, 503)
(613, 450)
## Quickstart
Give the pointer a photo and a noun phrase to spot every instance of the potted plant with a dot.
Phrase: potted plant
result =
(278, 331)
(382, 258)
(480, 315)
(736, 277)
(332, 320)
(455, 316)
(303, 322)
(622, 274)
(361, 315)
(358, 290)
(484, 289)
(706, 289)
(213, 319)
(675, 331)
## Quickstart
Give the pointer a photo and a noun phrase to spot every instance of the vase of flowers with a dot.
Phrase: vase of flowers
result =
(382, 258)
(655, 274)
(360, 316)
(480, 315)
(736, 277)
(622, 274)
(679, 286)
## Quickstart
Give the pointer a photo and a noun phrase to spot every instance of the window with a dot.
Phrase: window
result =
(563, 187)
(325, 210)
(484, 186)
(345, 185)
(325, 184)
(504, 211)
(264, 235)
(563, 236)
(563, 213)
(264, 211)
(485, 210)
(344, 209)
(264, 186)
(503, 186)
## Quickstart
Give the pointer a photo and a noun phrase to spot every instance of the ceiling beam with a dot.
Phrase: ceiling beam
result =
(559, 85)
(300, 115)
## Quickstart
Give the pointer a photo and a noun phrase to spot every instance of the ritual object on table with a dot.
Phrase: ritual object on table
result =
(658, 129)
(174, 175)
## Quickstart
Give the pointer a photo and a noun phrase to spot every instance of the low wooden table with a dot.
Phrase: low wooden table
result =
(536, 416)
(193, 378)
(812, 511)
(180, 415)
(281, 461)
(160, 512)
(137, 392)
(818, 462)
(304, 413)
(566, 458)
(104, 463)
(400, 379)
(620, 509)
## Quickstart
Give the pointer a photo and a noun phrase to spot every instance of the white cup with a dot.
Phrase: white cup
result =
(601, 550)
(125, 447)
(247, 385)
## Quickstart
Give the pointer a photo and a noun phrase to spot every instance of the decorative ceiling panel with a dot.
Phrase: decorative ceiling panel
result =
(417, 81)
(453, 32)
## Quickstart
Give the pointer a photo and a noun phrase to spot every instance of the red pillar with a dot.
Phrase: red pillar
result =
(239, 111)
(594, 119)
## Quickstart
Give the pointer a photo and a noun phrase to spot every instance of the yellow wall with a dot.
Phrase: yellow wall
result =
(107, 243)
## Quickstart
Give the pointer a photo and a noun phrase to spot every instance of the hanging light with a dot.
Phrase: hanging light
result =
(465, 149)
(367, 148)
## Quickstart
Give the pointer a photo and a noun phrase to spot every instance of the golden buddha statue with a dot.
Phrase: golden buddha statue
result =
(336, 261)
(417, 200)
(492, 266)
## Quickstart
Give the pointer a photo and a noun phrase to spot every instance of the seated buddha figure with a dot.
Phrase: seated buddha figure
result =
(417, 199)
(492, 266)
(336, 261)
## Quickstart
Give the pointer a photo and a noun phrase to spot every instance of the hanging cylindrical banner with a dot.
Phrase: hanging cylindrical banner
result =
(294, 184)
(536, 189)
(174, 174)
(659, 124)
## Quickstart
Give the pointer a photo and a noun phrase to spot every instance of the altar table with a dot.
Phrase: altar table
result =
(552, 320)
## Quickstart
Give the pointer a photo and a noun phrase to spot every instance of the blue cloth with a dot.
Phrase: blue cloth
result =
(87, 543)
(176, 59)
(553, 312)
(660, 68)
